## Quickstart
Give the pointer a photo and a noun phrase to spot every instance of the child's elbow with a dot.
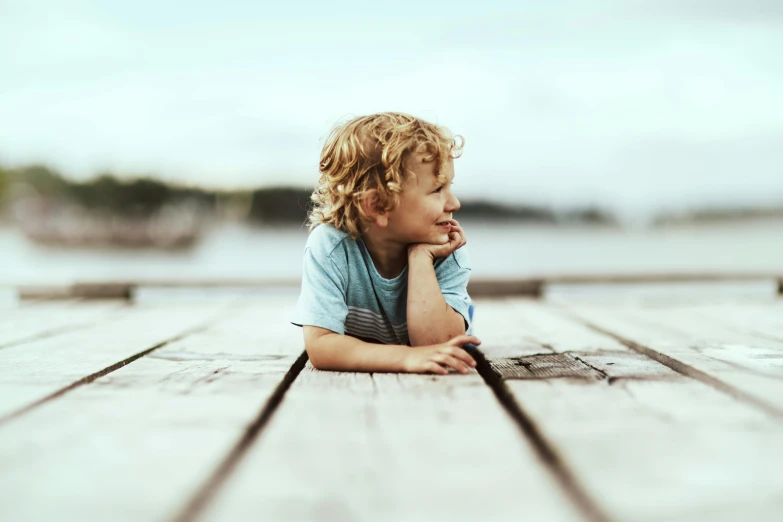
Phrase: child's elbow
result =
(314, 346)
(316, 358)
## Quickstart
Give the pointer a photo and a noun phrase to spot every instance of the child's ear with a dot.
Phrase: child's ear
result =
(373, 209)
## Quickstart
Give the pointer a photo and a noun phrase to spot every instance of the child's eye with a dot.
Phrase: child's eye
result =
(441, 187)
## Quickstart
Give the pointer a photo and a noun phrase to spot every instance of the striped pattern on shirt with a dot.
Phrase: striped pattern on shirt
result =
(361, 322)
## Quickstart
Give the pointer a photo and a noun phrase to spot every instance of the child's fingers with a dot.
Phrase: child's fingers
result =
(464, 339)
(461, 235)
(459, 353)
(465, 357)
(458, 235)
(452, 362)
(435, 368)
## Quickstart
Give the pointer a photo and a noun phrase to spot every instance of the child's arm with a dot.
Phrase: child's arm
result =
(331, 351)
(430, 319)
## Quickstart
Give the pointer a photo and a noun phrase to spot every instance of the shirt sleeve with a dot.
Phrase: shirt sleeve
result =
(322, 299)
(453, 274)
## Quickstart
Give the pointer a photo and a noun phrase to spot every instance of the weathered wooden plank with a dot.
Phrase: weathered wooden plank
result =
(42, 319)
(347, 446)
(726, 359)
(34, 371)
(624, 365)
(144, 438)
(744, 346)
(764, 320)
(543, 366)
(647, 443)
(496, 323)
(671, 450)
(524, 327)
(556, 332)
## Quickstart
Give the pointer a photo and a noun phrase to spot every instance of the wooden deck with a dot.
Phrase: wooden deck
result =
(202, 406)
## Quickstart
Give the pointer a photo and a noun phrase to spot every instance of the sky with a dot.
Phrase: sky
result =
(636, 106)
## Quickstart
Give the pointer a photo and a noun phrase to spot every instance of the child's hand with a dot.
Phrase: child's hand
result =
(456, 240)
(437, 357)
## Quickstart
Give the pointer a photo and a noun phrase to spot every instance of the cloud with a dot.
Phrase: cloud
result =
(618, 102)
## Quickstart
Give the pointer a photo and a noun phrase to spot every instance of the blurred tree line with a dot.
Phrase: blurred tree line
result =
(5, 179)
(111, 195)
(106, 193)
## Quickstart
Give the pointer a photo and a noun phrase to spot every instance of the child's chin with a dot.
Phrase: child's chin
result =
(438, 238)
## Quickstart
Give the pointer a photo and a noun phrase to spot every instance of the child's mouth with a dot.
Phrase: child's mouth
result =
(444, 224)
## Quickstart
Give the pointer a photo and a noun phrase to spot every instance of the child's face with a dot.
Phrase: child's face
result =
(424, 203)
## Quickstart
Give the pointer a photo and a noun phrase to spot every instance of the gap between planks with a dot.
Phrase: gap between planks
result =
(113, 367)
(47, 333)
(545, 449)
(620, 449)
(679, 366)
(165, 423)
(205, 495)
(89, 378)
(212, 486)
(528, 427)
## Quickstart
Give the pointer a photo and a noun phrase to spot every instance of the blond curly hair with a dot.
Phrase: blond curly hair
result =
(367, 153)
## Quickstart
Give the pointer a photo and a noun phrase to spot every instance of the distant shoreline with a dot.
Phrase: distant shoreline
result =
(110, 196)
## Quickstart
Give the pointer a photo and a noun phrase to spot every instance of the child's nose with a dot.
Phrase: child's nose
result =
(453, 204)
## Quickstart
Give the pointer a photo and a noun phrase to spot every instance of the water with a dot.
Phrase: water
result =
(239, 253)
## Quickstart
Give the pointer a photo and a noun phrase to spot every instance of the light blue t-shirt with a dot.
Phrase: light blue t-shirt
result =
(343, 292)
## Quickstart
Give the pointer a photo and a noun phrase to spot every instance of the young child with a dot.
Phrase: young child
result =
(384, 285)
